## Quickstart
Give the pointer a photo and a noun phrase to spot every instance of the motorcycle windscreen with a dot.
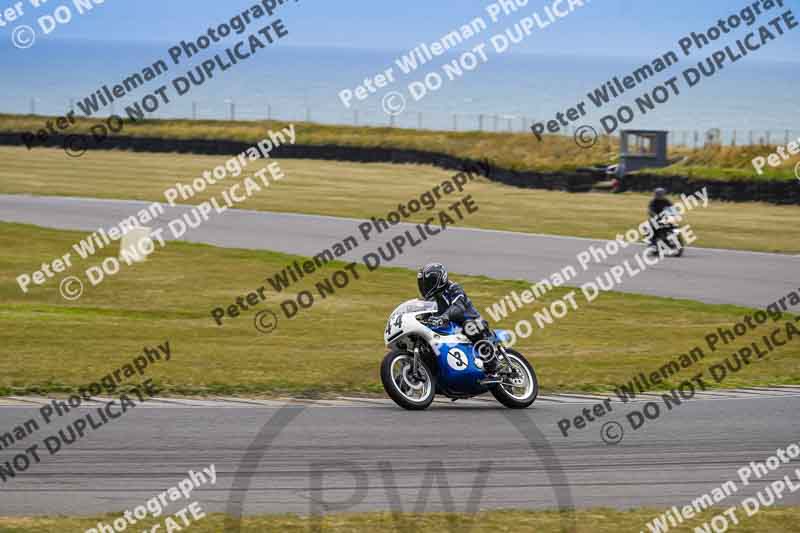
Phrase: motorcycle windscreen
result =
(416, 306)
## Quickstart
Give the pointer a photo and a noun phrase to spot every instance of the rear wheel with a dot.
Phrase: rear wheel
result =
(408, 390)
(519, 388)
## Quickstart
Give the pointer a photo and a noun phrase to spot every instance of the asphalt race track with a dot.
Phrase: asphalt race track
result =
(371, 455)
(712, 276)
(368, 455)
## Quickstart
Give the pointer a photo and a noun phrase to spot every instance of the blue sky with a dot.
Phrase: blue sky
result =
(642, 28)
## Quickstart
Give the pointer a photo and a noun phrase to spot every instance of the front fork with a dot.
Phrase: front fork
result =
(504, 364)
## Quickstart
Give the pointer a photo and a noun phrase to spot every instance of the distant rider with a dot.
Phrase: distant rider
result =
(657, 205)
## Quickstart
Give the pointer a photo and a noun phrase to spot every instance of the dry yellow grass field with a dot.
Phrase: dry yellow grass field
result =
(364, 190)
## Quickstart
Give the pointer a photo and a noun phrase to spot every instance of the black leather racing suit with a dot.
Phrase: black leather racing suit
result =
(656, 207)
(455, 306)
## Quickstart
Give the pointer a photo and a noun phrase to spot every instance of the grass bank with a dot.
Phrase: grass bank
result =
(52, 345)
(519, 151)
(727, 163)
(365, 190)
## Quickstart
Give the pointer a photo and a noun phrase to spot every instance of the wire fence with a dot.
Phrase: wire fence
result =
(424, 120)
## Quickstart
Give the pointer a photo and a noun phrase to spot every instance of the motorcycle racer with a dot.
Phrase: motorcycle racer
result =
(430, 355)
(453, 304)
(657, 205)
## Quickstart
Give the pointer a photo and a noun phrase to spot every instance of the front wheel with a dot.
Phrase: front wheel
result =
(679, 245)
(520, 387)
(408, 390)
(675, 244)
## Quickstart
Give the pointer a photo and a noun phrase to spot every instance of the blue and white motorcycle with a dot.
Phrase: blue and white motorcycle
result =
(426, 359)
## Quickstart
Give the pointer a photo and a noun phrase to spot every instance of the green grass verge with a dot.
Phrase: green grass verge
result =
(50, 344)
(774, 520)
(365, 190)
(520, 151)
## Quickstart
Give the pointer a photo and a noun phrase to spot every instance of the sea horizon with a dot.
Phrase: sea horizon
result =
(300, 82)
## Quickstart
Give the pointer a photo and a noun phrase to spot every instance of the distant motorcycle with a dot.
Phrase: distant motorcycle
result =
(426, 359)
(668, 233)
